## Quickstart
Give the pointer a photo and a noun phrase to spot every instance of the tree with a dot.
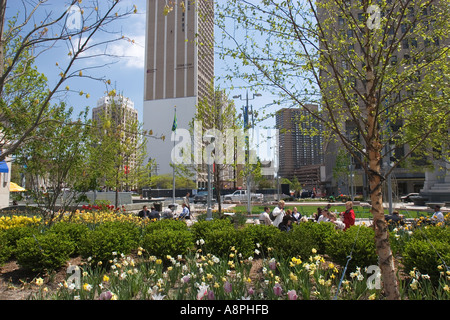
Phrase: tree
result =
(119, 146)
(216, 116)
(345, 56)
(40, 32)
(54, 162)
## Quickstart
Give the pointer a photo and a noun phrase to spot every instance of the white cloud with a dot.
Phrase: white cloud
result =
(131, 52)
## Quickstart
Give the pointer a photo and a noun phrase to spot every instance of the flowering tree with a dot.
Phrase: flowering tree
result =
(379, 70)
(34, 32)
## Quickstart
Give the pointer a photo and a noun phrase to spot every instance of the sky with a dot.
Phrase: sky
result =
(127, 73)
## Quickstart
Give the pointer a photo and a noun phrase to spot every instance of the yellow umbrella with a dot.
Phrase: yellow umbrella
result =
(14, 187)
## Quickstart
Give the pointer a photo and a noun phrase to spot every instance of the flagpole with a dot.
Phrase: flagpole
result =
(174, 129)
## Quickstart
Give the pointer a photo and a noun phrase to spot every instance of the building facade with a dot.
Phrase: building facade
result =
(122, 113)
(407, 49)
(179, 70)
(300, 146)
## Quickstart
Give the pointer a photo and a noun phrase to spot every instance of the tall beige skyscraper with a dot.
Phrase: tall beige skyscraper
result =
(179, 69)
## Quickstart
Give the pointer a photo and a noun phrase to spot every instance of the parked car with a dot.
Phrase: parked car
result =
(241, 195)
(202, 197)
(407, 198)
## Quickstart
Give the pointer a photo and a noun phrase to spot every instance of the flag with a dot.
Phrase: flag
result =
(174, 125)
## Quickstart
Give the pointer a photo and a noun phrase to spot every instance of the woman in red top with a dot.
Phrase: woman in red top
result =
(349, 215)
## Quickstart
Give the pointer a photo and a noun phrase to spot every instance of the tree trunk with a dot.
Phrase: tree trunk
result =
(386, 260)
(2, 41)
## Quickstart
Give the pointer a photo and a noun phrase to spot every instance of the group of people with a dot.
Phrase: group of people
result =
(168, 213)
(284, 219)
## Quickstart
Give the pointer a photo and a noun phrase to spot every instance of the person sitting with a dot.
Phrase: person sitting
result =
(338, 224)
(264, 217)
(286, 223)
(297, 215)
(168, 213)
(154, 214)
(324, 216)
(349, 215)
(144, 213)
(394, 220)
(437, 216)
(185, 214)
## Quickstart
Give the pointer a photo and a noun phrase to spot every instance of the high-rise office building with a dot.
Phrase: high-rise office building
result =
(179, 69)
(407, 48)
(120, 110)
(300, 146)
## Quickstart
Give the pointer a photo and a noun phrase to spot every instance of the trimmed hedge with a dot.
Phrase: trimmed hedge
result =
(40, 248)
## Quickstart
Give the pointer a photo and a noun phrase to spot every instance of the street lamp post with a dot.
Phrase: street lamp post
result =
(247, 125)
(209, 196)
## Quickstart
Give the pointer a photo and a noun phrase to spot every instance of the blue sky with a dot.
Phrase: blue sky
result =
(126, 74)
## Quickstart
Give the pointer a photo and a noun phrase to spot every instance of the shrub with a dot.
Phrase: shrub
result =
(261, 234)
(5, 248)
(423, 255)
(12, 235)
(361, 239)
(71, 231)
(220, 241)
(163, 242)
(44, 252)
(202, 228)
(166, 224)
(303, 238)
(109, 237)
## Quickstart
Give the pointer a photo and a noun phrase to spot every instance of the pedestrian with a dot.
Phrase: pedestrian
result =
(318, 213)
(186, 201)
(144, 213)
(437, 216)
(154, 214)
(286, 223)
(394, 220)
(349, 215)
(169, 212)
(324, 216)
(185, 214)
(264, 217)
(338, 224)
(278, 213)
(296, 215)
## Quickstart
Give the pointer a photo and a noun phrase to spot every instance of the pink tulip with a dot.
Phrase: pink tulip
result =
(227, 287)
(272, 265)
(277, 290)
(292, 295)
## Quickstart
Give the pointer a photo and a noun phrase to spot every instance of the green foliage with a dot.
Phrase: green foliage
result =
(166, 224)
(71, 231)
(12, 235)
(202, 228)
(109, 237)
(339, 246)
(219, 242)
(263, 235)
(163, 242)
(43, 252)
(5, 248)
(423, 256)
(303, 238)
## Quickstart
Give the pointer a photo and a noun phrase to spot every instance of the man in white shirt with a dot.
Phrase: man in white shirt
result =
(264, 217)
(438, 216)
(278, 213)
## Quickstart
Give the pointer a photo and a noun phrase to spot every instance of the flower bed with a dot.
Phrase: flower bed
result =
(129, 258)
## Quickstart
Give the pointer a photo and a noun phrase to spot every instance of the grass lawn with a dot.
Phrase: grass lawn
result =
(308, 210)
